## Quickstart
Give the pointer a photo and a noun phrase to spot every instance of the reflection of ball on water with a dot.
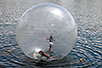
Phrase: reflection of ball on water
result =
(44, 20)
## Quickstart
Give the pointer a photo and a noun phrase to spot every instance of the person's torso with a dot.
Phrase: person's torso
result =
(44, 55)
(50, 40)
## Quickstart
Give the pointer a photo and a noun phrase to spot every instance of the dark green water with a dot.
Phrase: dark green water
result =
(88, 47)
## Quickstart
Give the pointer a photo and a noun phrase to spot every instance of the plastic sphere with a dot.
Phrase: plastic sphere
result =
(80, 60)
(8, 51)
(40, 22)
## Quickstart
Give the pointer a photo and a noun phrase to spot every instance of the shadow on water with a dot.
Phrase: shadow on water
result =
(27, 62)
(68, 61)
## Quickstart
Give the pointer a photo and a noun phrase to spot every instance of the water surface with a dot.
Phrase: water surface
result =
(87, 15)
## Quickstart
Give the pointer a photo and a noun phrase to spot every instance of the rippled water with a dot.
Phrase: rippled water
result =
(88, 47)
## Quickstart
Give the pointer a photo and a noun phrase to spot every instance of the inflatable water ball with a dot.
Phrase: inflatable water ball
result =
(42, 21)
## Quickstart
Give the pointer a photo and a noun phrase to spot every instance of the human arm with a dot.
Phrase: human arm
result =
(53, 39)
(47, 38)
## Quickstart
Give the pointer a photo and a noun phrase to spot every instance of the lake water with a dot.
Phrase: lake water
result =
(88, 47)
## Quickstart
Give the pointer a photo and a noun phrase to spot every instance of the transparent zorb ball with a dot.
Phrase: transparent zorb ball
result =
(41, 21)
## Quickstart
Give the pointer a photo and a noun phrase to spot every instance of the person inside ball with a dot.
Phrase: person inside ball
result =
(45, 55)
(51, 39)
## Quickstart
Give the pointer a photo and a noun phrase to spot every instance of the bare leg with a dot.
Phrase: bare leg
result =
(50, 48)
(52, 57)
